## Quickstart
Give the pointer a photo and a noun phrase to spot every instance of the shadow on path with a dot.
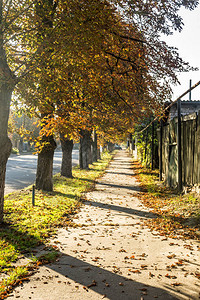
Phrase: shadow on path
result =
(130, 211)
(132, 188)
(106, 282)
(119, 173)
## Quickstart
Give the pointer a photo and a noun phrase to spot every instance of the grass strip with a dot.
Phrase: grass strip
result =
(26, 227)
(178, 216)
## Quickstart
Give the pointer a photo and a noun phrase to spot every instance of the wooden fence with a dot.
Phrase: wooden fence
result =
(189, 151)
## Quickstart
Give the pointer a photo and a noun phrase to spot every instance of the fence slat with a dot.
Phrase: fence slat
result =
(189, 154)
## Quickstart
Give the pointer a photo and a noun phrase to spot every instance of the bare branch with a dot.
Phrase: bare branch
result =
(122, 58)
(129, 38)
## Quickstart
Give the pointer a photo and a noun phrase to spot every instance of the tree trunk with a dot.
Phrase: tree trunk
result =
(85, 144)
(110, 147)
(94, 148)
(67, 146)
(44, 176)
(21, 145)
(89, 148)
(98, 153)
(7, 84)
(5, 143)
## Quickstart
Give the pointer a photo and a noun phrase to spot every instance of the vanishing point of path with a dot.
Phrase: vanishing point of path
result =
(111, 255)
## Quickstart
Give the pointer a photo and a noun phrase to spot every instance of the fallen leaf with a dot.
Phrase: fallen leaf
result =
(92, 284)
(171, 256)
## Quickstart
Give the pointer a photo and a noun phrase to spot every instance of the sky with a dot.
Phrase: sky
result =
(188, 44)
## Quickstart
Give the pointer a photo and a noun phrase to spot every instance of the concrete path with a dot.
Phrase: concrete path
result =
(111, 255)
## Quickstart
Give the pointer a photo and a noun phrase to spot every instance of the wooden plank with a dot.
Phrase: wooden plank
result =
(192, 149)
(161, 151)
(187, 152)
(164, 153)
(152, 146)
(166, 139)
(184, 152)
(172, 178)
(180, 183)
(195, 174)
(191, 153)
(198, 148)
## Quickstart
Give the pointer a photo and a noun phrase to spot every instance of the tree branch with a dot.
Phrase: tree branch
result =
(129, 38)
(121, 58)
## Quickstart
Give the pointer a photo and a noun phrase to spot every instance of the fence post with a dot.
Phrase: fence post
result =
(152, 146)
(146, 141)
(161, 146)
(133, 145)
(180, 183)
(190, 92)
(136, 140)
(33, 196)
(130, 143)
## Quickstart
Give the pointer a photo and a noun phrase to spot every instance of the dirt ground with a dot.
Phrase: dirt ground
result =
(111, 254)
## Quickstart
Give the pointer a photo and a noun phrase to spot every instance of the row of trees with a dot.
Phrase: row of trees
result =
(81, 66)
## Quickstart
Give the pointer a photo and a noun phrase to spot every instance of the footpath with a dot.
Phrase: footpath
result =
(111, 254)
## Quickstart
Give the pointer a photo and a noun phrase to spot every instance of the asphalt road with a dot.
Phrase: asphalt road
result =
(21, 169)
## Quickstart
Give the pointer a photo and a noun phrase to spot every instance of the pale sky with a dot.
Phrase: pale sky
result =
(188, 43)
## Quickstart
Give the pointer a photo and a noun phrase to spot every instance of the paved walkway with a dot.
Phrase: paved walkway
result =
(111, 255)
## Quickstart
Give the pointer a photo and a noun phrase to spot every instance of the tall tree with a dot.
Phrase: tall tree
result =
(45, 12)
(9, 72)
(111, 30)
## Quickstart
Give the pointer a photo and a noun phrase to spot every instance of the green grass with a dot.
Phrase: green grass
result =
(14, 277)
(26, 227)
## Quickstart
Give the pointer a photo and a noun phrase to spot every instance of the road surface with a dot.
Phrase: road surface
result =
(21, 169)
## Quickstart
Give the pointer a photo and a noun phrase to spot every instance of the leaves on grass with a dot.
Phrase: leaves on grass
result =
(171, 212)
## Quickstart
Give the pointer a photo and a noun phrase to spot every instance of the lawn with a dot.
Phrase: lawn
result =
(26, 226)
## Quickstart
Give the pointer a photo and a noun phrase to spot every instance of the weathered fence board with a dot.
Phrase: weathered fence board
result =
(190, 151)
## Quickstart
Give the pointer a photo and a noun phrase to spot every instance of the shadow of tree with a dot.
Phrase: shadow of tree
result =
(129, 211)
(105, 281)
(19, 238)
(128, 187)
(119, 173)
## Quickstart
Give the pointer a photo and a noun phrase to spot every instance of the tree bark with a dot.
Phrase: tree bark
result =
(84, 152)
(7, 84)
(89, 148)
(110, 147)
(98, 153)
(5, 143)
(44, 176)
(66, 166)
(94, 148)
